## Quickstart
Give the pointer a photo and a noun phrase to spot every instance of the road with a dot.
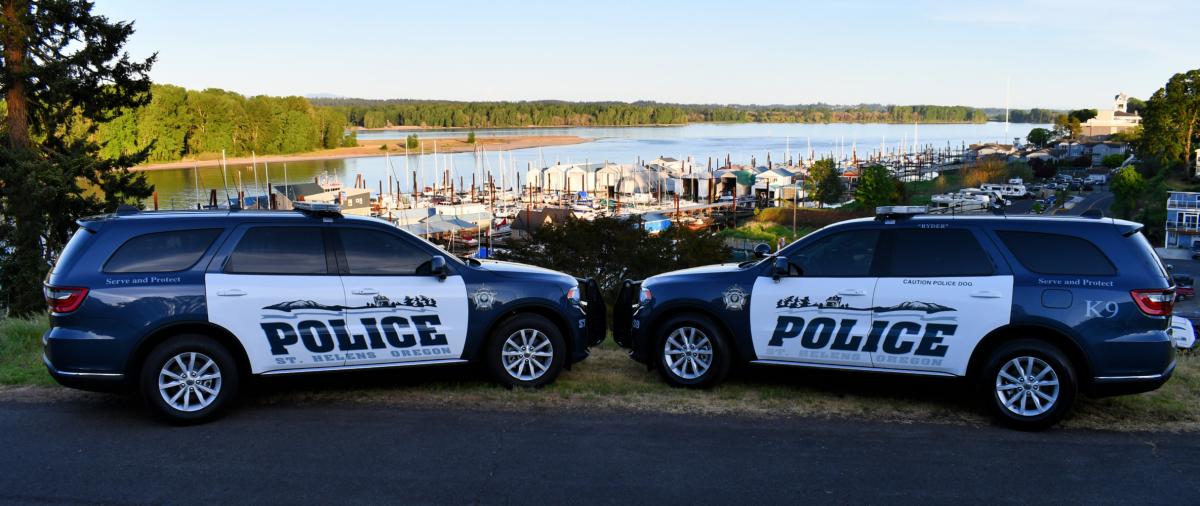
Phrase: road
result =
(111, 452)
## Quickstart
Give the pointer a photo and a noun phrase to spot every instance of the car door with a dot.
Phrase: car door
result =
(821, 314)
(276, 288)
(397, 310)
(939, 293)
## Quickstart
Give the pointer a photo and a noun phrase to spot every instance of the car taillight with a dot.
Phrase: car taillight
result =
(61, 299)
(1157, 302)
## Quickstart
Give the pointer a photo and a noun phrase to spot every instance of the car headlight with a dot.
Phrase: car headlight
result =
(644, 296)
(573, 295)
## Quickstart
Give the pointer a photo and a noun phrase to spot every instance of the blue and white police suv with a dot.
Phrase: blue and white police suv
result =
(1033, 309)
(184, 306)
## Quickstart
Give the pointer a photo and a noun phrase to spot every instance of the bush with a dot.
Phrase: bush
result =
(1113, 161)
(412, 142)
(471, 138)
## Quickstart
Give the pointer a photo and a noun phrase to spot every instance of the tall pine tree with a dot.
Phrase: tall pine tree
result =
(64, 71)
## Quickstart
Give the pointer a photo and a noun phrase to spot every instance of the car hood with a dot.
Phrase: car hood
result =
(516, 270)
(702, 271)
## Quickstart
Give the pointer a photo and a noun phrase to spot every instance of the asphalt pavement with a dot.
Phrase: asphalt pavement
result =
(108, 451)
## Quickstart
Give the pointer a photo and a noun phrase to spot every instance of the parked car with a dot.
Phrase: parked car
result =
(1183, 332)
(1184, 286)
(183, 307)
(932, 295)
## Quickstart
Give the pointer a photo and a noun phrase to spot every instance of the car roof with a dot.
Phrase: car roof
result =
(218, 216)
(1033, 222)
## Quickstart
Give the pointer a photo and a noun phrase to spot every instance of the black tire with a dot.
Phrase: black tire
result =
(204, 348)
(1042, 354)
(519, 328)
(717, 345)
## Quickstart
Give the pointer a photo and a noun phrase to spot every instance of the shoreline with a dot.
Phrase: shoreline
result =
(370, 148)
(418, 129)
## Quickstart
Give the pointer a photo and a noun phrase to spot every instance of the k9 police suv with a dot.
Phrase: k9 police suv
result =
(1033, 309)
(183, 306)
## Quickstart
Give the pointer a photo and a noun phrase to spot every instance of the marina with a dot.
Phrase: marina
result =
(469, 202)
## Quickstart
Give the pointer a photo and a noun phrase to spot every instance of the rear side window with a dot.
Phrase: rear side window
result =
(946, 252)
(1057, 254)
(172, 251)
(279, 250)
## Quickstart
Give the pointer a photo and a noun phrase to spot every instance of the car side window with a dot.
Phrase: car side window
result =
(1057, 254)
(374, 252)
(842, 254)
(945, 252)
(279, 250)
(172, 251)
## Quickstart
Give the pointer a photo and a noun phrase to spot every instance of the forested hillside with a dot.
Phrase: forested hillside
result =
(178, 123)
(448, 114)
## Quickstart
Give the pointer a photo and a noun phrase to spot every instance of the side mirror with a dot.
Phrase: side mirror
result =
(437, 267)
(780, 269)
(762, 250)
(1170, 267)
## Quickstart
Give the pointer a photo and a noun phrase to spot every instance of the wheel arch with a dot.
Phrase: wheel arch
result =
(1055, 337)
(218, 333)
(555, 316)
(664, 315)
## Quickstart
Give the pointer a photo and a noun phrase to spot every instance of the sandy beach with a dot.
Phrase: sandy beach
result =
(367, 148)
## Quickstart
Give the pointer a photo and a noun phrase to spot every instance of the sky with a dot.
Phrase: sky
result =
(1053, 54)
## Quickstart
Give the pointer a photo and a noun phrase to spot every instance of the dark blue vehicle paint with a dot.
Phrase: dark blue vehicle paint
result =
(98, 346)
(1127, 352)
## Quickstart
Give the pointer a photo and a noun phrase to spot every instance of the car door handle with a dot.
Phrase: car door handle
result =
(365, 291)
(986, 294)
(234, 292)
(852, 292)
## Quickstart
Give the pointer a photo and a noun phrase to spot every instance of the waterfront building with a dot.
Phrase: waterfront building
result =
(1111, 121)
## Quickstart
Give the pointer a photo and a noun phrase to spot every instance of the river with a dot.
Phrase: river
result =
(180, 188)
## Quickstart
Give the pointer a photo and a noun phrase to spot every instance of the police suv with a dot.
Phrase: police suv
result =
(1034, 309)
(183, 306)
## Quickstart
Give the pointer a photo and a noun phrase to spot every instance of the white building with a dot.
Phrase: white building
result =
(1111, 121)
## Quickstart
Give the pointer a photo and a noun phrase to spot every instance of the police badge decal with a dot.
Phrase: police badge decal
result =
(734, 297)
(484, 298)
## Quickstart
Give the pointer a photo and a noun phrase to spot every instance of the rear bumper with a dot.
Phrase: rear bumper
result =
(93, 381)
(1123, 385)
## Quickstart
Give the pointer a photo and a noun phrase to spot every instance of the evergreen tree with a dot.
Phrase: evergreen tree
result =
(64, 72)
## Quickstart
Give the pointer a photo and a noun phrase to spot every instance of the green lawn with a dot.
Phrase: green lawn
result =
(610, 380)
(21, 352)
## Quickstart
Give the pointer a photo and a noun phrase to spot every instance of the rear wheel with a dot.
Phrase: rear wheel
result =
(692, 352)
(526, 350)
(189, 379)
(1028, 384)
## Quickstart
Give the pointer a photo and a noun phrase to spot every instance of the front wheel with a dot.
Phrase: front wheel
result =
(189, 379)
(692, 352)
(527, 350)
(1029, 384)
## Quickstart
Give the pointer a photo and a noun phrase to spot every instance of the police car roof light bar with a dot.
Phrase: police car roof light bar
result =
(318, 208)
(894, 212)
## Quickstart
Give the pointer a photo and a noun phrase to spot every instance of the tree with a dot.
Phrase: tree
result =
(1082, 115)
(876, 187)
(828, 183)
(64, 72)
(1019, 170)
(471, 138)
(1039, 137)
(412, 142)
(610, 249)
(1043, 168)
(1113, 161)
(1127, 187)
(1067, 126)
(1171, 125)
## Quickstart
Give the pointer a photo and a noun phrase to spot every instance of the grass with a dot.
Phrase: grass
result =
(609, 380)
(21, 352)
